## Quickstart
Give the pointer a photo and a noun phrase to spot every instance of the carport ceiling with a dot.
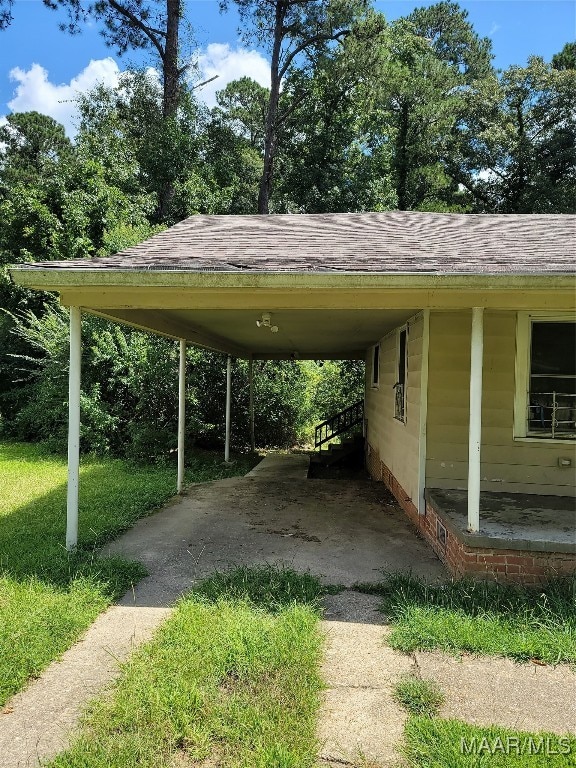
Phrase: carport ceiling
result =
(312, 334)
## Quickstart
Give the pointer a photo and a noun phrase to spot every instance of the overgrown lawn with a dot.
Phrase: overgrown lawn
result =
(47, 596)
(481, 617)
(231, 678)
(438, 743)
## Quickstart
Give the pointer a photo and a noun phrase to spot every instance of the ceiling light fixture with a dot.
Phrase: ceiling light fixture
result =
(266, 322)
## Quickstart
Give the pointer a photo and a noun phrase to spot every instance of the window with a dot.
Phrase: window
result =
(400, 386)
(376, 366)
(546, 405)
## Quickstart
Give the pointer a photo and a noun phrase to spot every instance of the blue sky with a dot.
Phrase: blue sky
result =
(63, 65)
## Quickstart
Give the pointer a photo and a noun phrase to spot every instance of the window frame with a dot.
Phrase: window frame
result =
(404, 418)
(375, 369)
(524, 322)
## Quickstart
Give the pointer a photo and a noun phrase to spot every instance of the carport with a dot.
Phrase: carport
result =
(345, 531)
(276, 287)
(333, 286)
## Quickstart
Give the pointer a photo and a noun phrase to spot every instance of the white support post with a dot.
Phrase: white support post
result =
(228, 407)
(73, 428)
(251, 403)
(475, 422)
(422, 438)
(181, 414)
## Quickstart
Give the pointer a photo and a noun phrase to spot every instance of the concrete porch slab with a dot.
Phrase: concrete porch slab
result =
(520, 521)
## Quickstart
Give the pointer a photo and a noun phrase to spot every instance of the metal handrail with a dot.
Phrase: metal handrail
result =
(339, 423)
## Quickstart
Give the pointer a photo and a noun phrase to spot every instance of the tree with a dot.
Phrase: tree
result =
(31, 143)
(290, 30)
(5, 13)
(126, 122)
(131, 24)
(518, 149)
(327, 162)
(431, 64)
(152, 25)
(566, 59)
(55, 203)
(242, 105)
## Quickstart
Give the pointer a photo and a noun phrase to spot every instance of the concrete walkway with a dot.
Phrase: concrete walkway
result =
(360, 723)
(488, 689)
(282, 467)
(37, 723)
(342, 531)
(361, 726)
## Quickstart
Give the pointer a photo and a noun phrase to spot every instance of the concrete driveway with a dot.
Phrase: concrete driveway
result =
(344, 531)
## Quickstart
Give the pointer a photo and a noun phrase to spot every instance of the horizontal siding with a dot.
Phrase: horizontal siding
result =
(507, 464)
(397, 442)
(539, 489)
(499, 473)
(530, 454)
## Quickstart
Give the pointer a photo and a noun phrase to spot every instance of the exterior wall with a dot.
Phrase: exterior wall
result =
(503, 565)
(523, 466)
(393, 443)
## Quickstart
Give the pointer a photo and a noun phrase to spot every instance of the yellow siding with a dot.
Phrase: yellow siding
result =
(396, 442)
(507, 464)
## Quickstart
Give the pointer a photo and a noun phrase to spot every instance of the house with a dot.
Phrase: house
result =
(468, 327)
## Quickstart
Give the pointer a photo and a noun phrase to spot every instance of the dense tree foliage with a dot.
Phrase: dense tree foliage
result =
(294, 33)
(517, 151)
(360, 115)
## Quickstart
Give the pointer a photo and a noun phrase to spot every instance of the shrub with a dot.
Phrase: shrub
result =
(130, 391)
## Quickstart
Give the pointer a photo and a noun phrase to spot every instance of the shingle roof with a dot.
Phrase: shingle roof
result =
(394, 242)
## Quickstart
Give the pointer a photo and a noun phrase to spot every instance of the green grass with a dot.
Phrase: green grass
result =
(418, 697)
(265, 586)
(226, 679)
(437, 743)
(47, 596)
(481, 617)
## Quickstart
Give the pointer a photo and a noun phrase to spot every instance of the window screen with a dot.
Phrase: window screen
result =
(400, 386)
(552, 385)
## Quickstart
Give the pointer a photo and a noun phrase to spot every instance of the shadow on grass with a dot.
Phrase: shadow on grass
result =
(267, 587)
(114, 494)
(32, 537)
(49, 596)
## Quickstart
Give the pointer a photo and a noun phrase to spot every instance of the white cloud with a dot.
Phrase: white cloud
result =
(35, 91)
(229, 64)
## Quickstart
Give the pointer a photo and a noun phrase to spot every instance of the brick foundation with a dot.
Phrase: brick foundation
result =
(461, 559)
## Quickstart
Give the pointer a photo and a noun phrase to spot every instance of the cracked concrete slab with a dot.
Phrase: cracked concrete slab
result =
(340, 530)
(497, 691)
(360, 723)
(37, 723)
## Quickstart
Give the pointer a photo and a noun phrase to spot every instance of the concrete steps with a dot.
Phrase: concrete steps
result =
(348, 450)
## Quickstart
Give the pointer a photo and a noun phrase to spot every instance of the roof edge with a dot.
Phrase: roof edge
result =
(52, 279)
